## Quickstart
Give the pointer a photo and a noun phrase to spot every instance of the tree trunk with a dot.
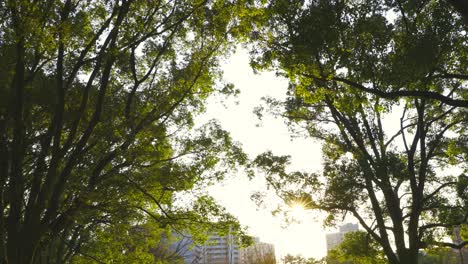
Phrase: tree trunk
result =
(408, 256)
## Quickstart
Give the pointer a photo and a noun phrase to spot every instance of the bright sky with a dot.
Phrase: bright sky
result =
(236, 116)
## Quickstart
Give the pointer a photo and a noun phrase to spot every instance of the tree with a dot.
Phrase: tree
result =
(356, 247)
(291, 259)
(97, 100)
(391, 49)
(350, 68)
(259, 253)
(439, 256)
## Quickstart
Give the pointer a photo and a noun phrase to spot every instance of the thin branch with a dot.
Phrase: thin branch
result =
(445, 244)
(398, 133)
(447, 225)
(405, 19)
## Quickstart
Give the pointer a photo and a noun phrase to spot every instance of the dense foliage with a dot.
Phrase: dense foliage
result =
(99, 153)
(292, 259)
(357, 248)
(383, 85)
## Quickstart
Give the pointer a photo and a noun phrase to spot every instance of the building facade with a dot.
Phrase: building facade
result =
(218, 250)
(225, 250)
(334, 239)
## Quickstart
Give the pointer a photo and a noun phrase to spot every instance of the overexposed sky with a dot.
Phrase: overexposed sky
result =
(236, 116)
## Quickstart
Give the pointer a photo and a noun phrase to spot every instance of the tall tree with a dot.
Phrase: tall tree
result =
(97, 100)
(352, 66)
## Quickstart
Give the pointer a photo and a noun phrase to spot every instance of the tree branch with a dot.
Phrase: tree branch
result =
(404, 93)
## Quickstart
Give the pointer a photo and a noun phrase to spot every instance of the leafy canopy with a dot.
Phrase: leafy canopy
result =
(383, 85)
(356, 247)
(97, 133)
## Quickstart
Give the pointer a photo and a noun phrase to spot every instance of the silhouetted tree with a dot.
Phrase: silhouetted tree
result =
(351, 67)
(97, 100)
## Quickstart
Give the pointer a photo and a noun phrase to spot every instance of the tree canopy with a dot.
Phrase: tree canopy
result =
(391, 49)
(383, 85)
(97, 136)
(298, 259)
(357, 248)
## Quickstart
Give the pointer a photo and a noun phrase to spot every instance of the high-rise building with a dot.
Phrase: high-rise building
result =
(334, 239)
(225, 250)
(218, 250)
(172, 248)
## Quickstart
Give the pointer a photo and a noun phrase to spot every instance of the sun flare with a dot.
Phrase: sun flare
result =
(298, 210)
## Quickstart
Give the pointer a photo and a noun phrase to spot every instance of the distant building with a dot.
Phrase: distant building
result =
(177, 248)
(334, 239)
(218, 250)
(225, 250)
(349, 227)
(183, 248)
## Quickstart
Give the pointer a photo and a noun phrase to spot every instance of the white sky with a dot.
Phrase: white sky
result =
(236, 116)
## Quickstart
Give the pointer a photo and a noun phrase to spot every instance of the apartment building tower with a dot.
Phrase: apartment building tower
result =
(218, 250)
(334, 239)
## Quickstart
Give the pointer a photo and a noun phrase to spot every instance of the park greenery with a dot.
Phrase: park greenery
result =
(98, 144)
(101, 159)
(298, 259)
(358, 248)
